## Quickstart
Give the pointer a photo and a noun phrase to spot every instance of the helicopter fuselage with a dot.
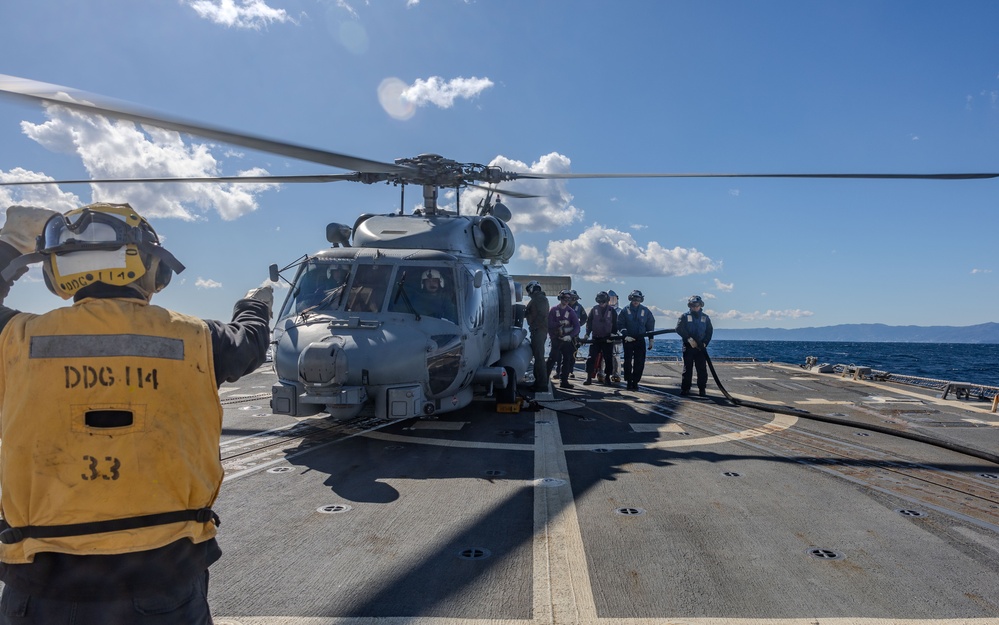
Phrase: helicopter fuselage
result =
(398, 331)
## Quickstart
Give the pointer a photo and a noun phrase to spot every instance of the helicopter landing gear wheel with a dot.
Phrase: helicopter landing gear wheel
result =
(508, 395)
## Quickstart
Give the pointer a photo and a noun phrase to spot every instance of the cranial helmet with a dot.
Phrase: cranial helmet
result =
(108, 243)
(636, 295)
(602, 297)
(611, 293)
(574, 295)
(532, 286)
(565, 295)
(431, 274)
(695, 300)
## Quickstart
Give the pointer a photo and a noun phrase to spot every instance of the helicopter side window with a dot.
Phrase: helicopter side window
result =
(367, 291)
(426, 291)
(474, 309)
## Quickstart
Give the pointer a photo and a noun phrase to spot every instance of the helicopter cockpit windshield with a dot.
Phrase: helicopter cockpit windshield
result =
(319, 286)
(368, 289)
(425, 290)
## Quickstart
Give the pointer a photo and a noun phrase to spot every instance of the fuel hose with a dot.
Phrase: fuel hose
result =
(804, 414)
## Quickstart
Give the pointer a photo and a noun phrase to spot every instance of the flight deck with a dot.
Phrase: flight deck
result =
(599, 505)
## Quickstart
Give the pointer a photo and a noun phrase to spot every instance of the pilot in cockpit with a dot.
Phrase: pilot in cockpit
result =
(434, 299)
(320, 287)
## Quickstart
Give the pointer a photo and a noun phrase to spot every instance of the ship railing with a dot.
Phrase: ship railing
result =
(961, 390)
(713, 358)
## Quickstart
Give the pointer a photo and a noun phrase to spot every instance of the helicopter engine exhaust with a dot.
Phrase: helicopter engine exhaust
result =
(493, 238)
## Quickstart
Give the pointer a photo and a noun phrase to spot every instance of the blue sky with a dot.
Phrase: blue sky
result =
(559, 86)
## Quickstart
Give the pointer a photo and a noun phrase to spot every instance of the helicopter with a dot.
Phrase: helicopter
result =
(413, 315)
(359, 332)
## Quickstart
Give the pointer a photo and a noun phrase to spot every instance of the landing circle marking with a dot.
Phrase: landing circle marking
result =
(780, 422)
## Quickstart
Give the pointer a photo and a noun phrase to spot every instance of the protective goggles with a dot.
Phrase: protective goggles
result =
(89, 230)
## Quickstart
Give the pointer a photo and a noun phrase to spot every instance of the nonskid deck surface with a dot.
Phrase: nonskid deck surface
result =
(614, 506)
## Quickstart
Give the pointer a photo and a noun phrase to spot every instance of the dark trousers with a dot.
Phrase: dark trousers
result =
(605, 350)
(634, 360)
(187, 605)
(694, 359)
(538, 349)
(563, 358)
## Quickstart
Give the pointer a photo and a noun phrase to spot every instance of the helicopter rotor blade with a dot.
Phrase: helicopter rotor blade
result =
(36, 91)
(354, 177)
(507, 193)
(971, 176)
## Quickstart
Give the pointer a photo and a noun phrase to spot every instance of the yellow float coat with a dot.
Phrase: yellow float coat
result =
(108, 410)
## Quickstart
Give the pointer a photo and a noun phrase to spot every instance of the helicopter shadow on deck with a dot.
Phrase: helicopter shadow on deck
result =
(364, 469)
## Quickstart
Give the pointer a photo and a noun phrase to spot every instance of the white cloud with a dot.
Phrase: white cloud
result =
(551, 209)
(342, 4)
(601, 254)
(47, 195)
(207, 283)
(250, 14)
(530, 254)
(769, 315)
(976, 270)
(725, 288)
(735, 315)
(121, 149)
(661, 313)
(435, 90)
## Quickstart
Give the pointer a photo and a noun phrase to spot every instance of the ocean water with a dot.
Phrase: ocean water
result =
(954, 362)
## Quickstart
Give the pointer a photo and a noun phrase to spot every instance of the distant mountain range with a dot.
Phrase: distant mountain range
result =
(869, 333)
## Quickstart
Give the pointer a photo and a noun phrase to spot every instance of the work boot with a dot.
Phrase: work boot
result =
(684, 393)
(565, 384)
(702, 393)
(588, 382)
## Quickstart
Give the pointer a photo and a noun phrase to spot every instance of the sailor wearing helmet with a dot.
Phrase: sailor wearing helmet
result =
(563, 329)
(536, 314)
(601, 323)
(635, 322)
(111, 424)
(694, 328)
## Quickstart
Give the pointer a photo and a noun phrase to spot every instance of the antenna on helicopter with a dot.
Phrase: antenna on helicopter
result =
(496, 209)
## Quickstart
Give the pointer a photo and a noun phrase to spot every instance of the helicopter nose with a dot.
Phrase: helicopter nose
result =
(323, 363)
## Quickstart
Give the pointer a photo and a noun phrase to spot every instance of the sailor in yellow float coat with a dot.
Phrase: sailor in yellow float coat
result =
(110, 423)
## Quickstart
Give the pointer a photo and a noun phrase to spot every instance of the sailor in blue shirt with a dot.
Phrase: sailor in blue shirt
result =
(635, 321)
(694, 328)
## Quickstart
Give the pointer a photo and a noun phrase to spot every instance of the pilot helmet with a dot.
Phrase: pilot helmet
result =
(695, 300)
(107, 243)
(532, 286)
(431, 274)
(602, 297)
(636, 295)
(337, 273)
